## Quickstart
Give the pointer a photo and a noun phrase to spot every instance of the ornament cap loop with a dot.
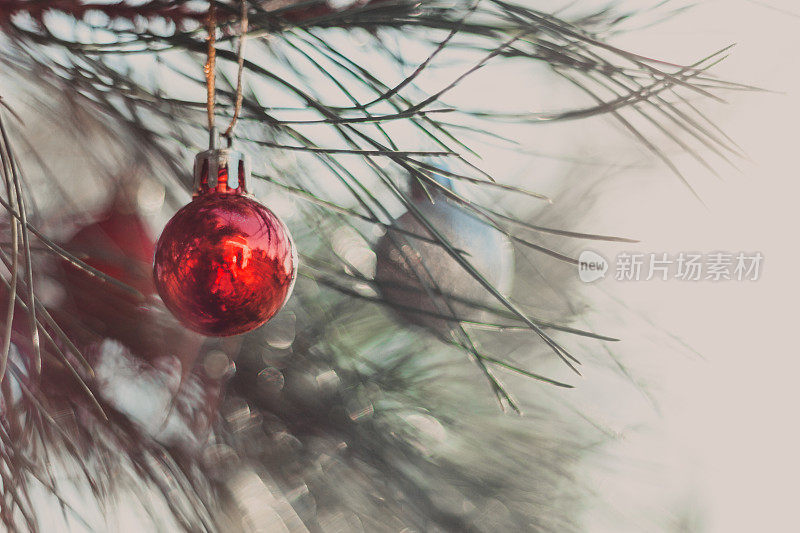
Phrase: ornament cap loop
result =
(223, 170)
(213, 139)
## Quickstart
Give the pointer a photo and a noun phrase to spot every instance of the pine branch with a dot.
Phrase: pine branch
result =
(175, 12)
(312, 96)
(498, 30)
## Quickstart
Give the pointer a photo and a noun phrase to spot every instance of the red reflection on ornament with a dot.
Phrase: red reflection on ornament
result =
(224, 264)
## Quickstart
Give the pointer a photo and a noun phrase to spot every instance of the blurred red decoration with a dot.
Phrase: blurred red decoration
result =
(225, 264)
(119, 244)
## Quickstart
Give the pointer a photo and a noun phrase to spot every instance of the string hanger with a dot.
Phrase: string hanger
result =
(210, 72)
(211, 63)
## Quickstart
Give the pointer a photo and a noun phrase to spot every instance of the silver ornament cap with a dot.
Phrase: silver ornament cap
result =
(222, 170)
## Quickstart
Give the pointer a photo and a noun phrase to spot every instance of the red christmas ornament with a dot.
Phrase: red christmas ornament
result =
(224, 264)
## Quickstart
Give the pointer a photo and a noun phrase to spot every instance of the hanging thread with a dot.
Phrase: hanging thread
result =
(237, 108)
(210, 70)
(211, 63)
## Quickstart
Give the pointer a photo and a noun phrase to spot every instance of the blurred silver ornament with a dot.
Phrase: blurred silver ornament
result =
(419, 276)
